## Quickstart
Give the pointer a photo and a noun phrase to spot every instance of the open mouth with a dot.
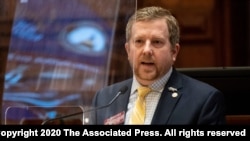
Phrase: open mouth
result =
(147, 63)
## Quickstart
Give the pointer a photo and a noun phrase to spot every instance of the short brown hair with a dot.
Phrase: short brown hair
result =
(151, 13)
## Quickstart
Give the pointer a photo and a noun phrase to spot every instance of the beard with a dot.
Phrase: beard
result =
(145, 74)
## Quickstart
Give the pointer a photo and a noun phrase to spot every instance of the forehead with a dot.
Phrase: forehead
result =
(150, 27)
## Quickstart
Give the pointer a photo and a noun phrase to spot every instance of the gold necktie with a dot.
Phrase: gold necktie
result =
(139, 111)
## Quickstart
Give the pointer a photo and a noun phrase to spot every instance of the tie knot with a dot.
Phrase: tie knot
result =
(143, 91)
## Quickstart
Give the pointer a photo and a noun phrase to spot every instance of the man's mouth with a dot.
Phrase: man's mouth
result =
(147, 63)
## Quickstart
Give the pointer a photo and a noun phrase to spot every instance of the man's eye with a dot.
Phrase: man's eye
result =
(157, 43)
(138, 41)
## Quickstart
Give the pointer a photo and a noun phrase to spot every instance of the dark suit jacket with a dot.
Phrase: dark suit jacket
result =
(197, 103)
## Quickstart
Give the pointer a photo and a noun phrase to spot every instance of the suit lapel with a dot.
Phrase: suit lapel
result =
(168, 100)
(122, 101)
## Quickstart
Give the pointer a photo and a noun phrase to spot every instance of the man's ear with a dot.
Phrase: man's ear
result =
(175, 51)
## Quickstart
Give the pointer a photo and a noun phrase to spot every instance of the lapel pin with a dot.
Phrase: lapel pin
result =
(174, 91)
(174, 94)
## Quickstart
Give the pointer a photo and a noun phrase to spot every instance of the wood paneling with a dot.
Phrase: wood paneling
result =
(202, 27)
(238, 120)
(7, 9)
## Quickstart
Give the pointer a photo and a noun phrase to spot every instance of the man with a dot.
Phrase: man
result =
(152, 46)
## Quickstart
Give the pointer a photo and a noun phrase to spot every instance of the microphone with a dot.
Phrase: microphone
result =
(121, 91)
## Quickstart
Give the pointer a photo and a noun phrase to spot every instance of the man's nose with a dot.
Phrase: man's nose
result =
(148, 48)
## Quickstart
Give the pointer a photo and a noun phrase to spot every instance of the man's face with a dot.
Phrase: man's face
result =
(149, 50)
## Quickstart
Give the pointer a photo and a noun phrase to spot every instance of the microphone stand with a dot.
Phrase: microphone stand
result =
(121, 91)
